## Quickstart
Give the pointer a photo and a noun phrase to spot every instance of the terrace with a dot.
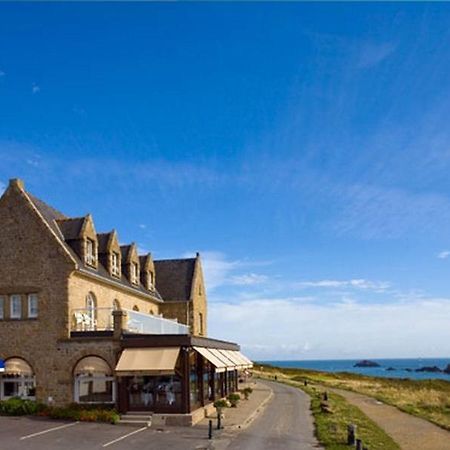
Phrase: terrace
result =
(85, 320)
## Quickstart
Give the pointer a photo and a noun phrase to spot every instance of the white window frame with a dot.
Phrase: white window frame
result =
(134, 273)
(81, 378)
(2, 307)
(33, 314)
(90, 252)
(13, 298)
(115, 269)
(21, 381)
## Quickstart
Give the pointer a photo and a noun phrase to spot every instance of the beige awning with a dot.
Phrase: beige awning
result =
(212, 358)
(221, 357)
(231, 354)
(242, 361)
(231, 364)
(247, 361)
(147, 361)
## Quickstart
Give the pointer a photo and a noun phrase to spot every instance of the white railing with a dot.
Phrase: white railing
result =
(147, 324)
(101, 319)
(97, 319)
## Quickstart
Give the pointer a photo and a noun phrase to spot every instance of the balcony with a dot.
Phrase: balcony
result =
(124, 320)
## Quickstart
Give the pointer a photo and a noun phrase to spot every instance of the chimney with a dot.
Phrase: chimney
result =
(17, 183)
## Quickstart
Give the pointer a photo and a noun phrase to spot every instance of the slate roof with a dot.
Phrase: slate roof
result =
(66, 228)
(71, 227)
(103, 239)
(174, 278)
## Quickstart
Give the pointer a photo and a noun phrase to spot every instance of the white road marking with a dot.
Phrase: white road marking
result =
(124, 436)
(48, 430)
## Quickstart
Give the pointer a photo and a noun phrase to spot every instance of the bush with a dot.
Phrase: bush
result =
(247, 391)
(85, 413)
(19, 407)
(234, 399)
(221, 404)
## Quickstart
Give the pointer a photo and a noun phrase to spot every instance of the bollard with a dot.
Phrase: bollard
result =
(325, 396)
(358, 444)
(306, 383)
(219, 421)
(210, 432)
(351, 434)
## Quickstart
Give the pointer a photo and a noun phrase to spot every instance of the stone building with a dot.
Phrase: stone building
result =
(85, 319)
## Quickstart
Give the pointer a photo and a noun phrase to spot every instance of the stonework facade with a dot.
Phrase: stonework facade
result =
(46, 255)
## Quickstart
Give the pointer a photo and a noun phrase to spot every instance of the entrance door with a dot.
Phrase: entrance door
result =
(141, 393)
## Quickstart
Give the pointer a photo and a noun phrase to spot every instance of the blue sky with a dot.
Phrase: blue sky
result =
(303, 149)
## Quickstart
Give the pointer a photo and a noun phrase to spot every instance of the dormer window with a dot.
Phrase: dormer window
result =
(134, 273)
(151, 280)
(115, 264)
(91, 258)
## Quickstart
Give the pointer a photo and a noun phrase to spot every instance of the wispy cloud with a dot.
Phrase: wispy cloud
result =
(35, 88)
(2, 187)
(2, 73)
(373, 53)
(249, 279)
(444, 254)
(378, 286)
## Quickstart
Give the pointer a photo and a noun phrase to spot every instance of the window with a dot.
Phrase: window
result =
(2, 308)
(93, 381)
(90, 252)
(200, 323)
(16, 307)
(90, 319)
(32, 306)
(116, 305)
(134, 273)
(17, 380)
(151, 280)
(115, 268)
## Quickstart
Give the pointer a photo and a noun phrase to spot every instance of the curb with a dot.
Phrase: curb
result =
(254, 414)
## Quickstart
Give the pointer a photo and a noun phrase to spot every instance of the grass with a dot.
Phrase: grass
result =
(331, 424)
(331, 427)
(428, 399)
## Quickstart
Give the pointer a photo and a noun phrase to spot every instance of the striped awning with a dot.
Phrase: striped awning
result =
(208, 354)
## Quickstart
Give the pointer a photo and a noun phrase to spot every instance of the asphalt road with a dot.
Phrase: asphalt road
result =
(286, 424)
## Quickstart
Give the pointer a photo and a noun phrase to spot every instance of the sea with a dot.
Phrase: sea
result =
(404, 368)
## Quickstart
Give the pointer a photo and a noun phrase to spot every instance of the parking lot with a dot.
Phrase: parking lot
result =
(26, 433)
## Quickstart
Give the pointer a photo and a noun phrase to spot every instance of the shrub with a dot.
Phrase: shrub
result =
(247, 391)
(234, 399)
(221, 404)
(85, 413)
(19, 407)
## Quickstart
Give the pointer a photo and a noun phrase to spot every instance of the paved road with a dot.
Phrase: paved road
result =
(285, 424)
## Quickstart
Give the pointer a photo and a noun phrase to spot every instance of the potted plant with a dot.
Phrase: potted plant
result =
(247, 391)
(234, 399)
(220, 405)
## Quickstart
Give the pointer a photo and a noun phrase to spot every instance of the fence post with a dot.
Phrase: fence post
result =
(351, 434)
(210, 428)
(358, 444)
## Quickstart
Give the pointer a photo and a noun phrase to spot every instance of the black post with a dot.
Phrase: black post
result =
(358, 444)
(210, 430)
(325, 396)
(351, 434)
(219, 421)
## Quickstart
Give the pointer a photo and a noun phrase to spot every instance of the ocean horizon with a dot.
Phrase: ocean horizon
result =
(399, 367)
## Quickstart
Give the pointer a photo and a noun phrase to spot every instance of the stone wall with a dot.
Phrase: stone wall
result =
(79, 286)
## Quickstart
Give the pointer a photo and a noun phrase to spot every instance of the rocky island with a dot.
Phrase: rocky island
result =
(366, 363)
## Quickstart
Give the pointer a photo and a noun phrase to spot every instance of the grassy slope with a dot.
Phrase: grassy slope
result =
(428, 399)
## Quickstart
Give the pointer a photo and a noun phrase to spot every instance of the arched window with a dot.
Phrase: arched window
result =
(93, 381)
(116, 305)
(17, 380)
(91, 306)
(151, 312)
(135, 308)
